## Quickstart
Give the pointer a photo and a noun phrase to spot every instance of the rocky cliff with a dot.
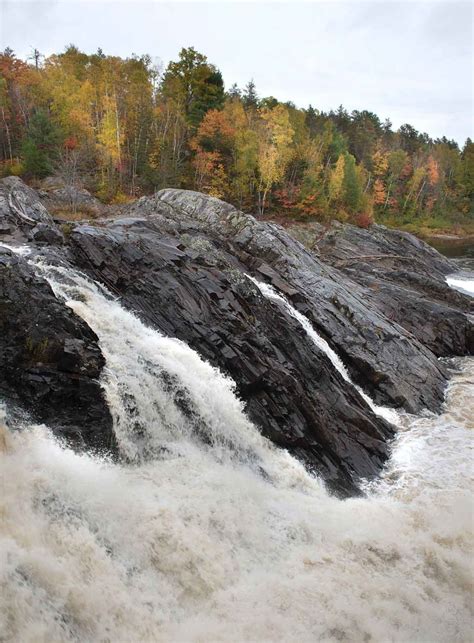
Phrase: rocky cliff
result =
(179, 259)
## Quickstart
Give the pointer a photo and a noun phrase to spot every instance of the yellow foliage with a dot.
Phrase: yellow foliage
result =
(336, 180)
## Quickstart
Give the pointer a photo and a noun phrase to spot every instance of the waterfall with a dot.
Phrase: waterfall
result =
(164, 398)
(270, 293)
(186, 540)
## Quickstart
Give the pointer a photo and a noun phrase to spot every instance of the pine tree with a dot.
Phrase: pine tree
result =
(40, 146)
(250, 96)
(351, 185)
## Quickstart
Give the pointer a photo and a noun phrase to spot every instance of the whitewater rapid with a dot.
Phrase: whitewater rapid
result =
(213, 534)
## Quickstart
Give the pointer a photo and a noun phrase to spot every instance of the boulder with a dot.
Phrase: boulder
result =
(20, 204)
(56, 192)
(45, 233)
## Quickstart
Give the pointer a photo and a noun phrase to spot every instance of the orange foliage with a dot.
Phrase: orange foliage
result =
(364, 220)
(70, 143)
(379, 192)
(215, 132)
(432, 168)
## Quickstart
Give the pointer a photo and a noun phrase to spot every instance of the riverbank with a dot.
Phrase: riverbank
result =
(435, 228)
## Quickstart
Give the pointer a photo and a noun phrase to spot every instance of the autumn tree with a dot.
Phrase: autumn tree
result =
(336, 180)
(214, 144)
(121, 129)
(274, 151)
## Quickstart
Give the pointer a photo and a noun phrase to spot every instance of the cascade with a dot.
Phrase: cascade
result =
(270, 293)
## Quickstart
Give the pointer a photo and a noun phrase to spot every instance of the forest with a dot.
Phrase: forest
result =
(121, 128)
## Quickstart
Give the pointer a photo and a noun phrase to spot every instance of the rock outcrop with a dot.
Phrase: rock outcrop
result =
(404, 278)
(56, 193)
(180, 260)
(22, 213)
(50, 358)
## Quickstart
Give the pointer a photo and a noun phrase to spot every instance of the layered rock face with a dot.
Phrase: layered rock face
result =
(179, 259)
(50, 358)
(404, 278)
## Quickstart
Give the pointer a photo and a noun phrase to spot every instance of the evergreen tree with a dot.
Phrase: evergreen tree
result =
(311, 120)
(40, 146)
(250, 97)
(351, 185)
(234, 92)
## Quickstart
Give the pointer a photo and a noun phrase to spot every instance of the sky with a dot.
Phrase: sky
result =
(408, 61)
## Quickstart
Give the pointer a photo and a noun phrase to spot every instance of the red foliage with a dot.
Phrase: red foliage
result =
(70, 143)
(364, 220)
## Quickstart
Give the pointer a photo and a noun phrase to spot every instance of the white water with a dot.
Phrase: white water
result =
(463, 283)
(195, 545)
(268, 291)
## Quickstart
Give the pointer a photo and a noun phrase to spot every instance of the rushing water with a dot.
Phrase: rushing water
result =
(269, 292)
(190, 542)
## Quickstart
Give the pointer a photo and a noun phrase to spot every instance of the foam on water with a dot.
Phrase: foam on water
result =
(188, 544)
(463, 283)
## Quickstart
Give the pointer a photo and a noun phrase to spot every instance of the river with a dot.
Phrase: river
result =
(215, 534)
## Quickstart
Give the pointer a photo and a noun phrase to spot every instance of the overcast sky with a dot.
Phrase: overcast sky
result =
(408, 61)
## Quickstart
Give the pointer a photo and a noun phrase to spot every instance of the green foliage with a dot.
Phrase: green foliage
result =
(351, 185)
(40, 146)
(195, 84)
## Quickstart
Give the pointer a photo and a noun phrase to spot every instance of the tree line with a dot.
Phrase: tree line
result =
(121, 128)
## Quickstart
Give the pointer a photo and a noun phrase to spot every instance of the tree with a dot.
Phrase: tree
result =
(213, 143)
(234, 92)
(195, 84)
(275, 137)
(250, 96)
(336, 180)
(467, 173)
(40, 146)
(379, 192)
(351, 185)
(409, 138)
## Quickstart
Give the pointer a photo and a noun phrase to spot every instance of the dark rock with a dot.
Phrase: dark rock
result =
(45, 233)
(58, 193)
(50, 358)
(405, 279)
(381, 355)
(292, 392)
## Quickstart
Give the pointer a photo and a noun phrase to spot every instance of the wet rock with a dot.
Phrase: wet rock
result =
(45, 233)
(50, 358)
(381, 355)
(179, 260)
(197, 292)
(405, 279)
